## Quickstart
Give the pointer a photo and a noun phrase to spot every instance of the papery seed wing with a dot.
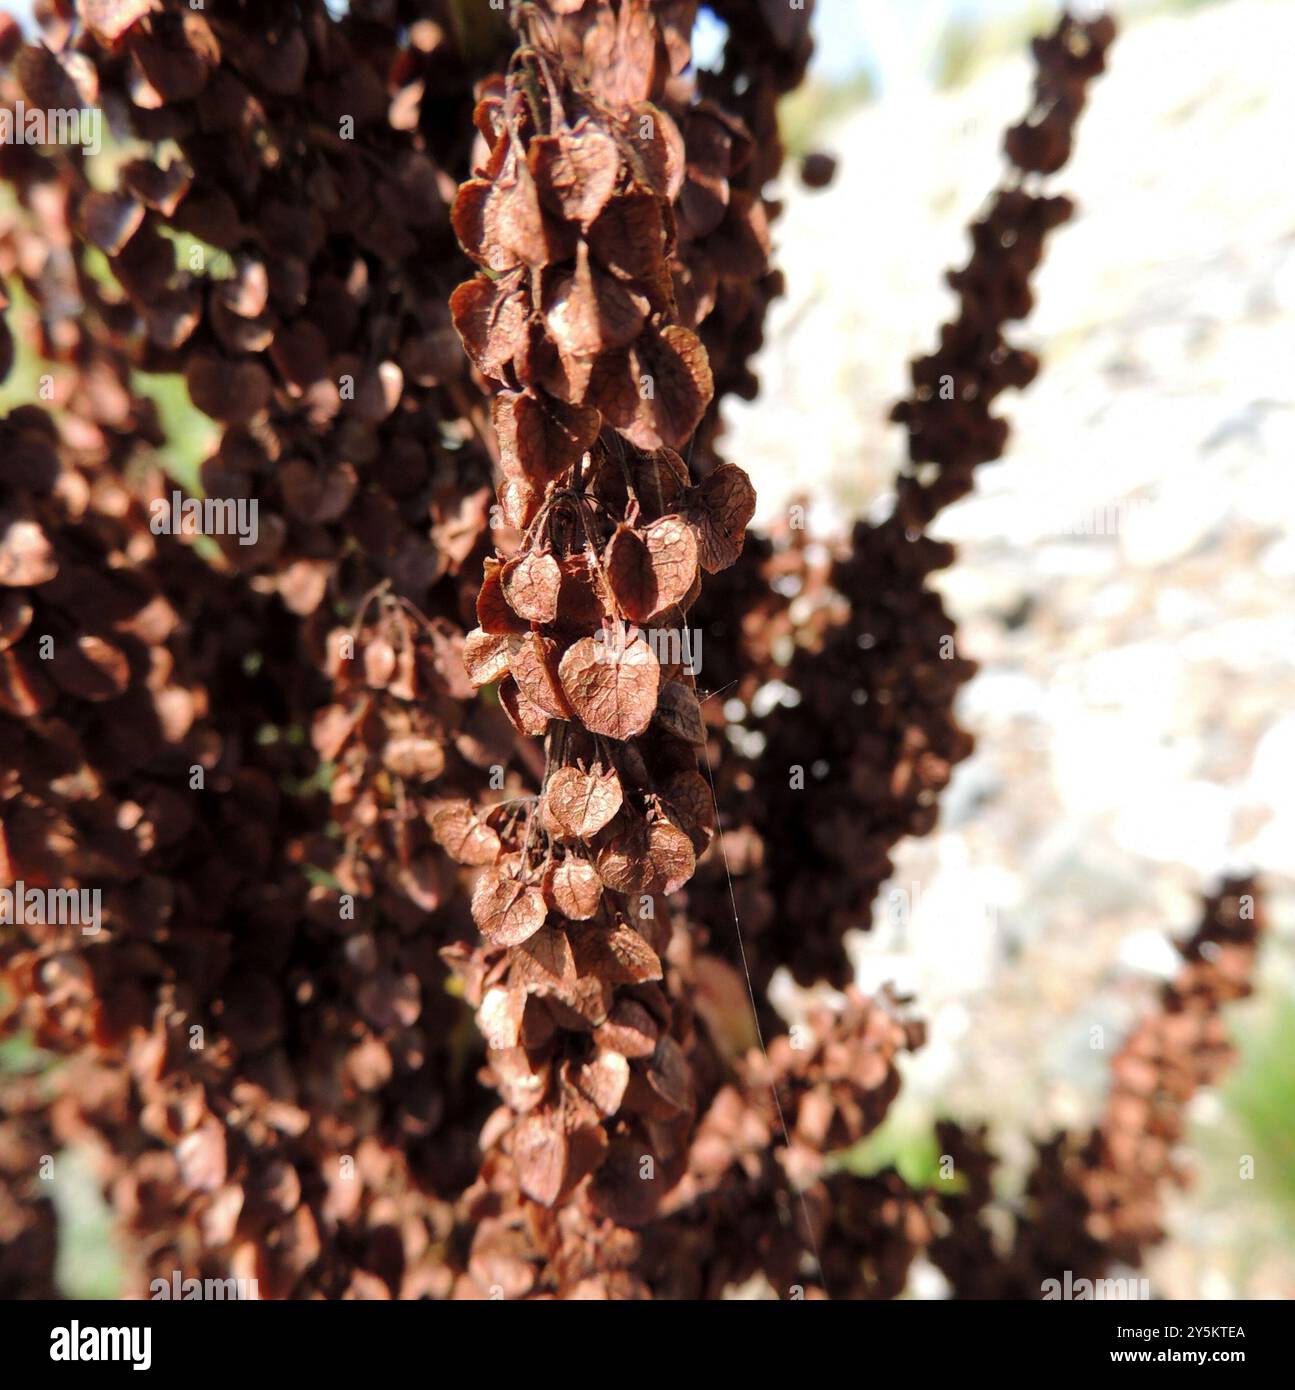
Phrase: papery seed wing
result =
(583, 802)
(463, 835)
(678, 712)
(530, 584)
(611, 687)
(485, 656)
(576, 889)
(540, 1152)
(506, 911)
(722, 507)
(524, 715)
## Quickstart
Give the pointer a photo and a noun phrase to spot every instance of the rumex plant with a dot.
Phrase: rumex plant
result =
(440, 898)
(573, 318)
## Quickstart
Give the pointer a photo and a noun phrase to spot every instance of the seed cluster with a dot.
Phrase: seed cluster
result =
(574, 322)
(951, 426)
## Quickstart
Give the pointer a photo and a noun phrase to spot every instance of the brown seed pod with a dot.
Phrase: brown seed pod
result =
(583, 802)
(575, 889)
(611, 685)
(463, 836)
(718, 514)
(506, 911)
(531, 584)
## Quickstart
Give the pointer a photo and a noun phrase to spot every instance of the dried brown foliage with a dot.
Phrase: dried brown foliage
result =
(951, 427)
(402, 989)
(577, 215)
